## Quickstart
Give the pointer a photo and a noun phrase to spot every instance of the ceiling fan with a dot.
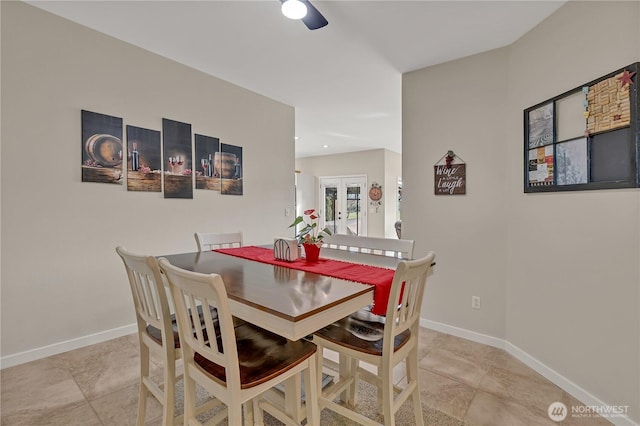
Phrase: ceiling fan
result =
(304, 10)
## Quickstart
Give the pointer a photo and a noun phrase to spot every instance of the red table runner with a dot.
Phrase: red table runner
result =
(381, 278)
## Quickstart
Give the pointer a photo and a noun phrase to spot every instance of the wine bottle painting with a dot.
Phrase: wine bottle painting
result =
(144, 163)
(206, 150)
(101, 148)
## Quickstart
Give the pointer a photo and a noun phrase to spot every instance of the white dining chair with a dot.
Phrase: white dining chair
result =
(155, 332)
(209, 241)
(243, 362)
(156, 325)
(381, 345)
(401, 249)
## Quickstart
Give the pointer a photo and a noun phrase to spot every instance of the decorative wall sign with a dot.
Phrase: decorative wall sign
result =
(101, 148)
(228, 165)
(207, 148)
(449, 175)
(178, 182)
(144, 161)
(586, 138)
(375, 194)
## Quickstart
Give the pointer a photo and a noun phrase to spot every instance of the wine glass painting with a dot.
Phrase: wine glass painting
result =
(206, 149)
(178, 179)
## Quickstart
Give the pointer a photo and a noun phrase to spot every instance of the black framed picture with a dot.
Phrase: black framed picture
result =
(587, 138)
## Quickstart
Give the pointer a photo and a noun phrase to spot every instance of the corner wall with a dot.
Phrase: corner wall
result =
(61, 278)
(573, 265)
(558, 273)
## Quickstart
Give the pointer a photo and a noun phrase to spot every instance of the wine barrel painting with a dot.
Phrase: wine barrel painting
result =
(102, 150)
(229, 164)
(224, 164)
(105, 150)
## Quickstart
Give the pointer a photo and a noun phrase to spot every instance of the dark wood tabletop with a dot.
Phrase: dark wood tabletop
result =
(287, 301)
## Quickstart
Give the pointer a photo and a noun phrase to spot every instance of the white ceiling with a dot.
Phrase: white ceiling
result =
(344, 80)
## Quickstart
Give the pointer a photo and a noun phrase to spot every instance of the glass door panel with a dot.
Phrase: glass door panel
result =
(344, 208)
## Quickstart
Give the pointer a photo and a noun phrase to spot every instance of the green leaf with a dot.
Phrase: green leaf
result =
(297, 221)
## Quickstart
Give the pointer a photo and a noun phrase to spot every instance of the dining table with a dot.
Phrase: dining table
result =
(290, 302)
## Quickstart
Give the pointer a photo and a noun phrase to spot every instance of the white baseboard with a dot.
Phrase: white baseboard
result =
(58, 348)
(550, 374)
(464, 333)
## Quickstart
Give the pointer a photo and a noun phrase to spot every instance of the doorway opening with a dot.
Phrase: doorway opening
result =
(343, 204)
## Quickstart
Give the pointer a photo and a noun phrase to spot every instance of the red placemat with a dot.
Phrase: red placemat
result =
(381, 278)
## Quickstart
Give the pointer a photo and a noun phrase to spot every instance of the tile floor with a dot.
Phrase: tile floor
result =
(472, 383)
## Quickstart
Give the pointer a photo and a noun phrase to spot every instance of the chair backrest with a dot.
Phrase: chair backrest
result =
(190, 290)
(149, 296)
(402, 249)
(405, 298)
(210, 241)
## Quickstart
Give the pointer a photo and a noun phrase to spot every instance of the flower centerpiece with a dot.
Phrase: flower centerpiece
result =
(309, 236)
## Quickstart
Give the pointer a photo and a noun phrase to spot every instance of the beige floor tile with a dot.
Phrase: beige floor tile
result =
(98, 385)
(505, 361)
(534, 393)
(490, 410)
(103, 368)
(38, 386)
(468, 349)
(120, 408)
(445, 394)
(428, 340)
(77, 414)
(454, 366)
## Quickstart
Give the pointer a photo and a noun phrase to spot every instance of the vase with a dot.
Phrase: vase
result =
(312, 252)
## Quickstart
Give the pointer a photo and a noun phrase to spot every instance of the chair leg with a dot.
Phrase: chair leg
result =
(189, 397)
(379, 394)
(412, 376)
(169, 391)
(235, 414)
(311, 377)
(352, 393)
(258, 412)
(293, 396)
(387, 397)
(144, 392)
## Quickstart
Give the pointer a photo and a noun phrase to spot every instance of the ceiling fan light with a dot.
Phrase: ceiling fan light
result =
(294, 9)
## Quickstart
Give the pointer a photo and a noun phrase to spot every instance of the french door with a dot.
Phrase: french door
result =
(342, 204)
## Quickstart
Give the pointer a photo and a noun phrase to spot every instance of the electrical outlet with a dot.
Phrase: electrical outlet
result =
(475, 302)
(287, 212)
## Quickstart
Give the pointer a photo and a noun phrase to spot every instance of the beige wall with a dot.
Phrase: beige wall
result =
(378, 165)
(558, 273)
(61, 278)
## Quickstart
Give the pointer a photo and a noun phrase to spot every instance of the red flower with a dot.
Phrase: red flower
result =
(313, 216)
(310, 211)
